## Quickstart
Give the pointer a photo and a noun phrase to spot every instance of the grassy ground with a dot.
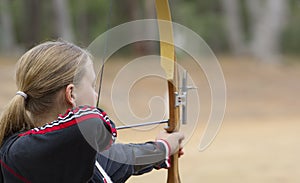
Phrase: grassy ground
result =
(259, 140)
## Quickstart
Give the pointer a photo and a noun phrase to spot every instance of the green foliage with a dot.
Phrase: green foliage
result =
(291, 35)
(204, 18)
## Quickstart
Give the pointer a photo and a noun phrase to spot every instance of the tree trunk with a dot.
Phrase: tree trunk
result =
(31, 21)
(255, 9)
(150, 47)
(8, 42)
(62, 20)
(267, 29)
(82, 22)
(235, 33)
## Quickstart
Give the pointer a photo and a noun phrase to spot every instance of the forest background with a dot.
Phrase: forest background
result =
(257, 44)
(260, 28)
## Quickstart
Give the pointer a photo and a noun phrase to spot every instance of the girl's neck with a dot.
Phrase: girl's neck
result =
(41, 120)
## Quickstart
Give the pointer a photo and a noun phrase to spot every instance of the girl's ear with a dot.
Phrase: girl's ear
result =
(70, 95)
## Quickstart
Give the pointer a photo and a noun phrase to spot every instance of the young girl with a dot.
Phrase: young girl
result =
(51, 131)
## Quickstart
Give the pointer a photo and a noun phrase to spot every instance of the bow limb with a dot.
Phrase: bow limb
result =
(167, 52)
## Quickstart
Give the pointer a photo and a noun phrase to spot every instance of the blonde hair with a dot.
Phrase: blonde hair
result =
(41, 73)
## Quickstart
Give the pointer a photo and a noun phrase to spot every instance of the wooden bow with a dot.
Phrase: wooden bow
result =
(167, 53)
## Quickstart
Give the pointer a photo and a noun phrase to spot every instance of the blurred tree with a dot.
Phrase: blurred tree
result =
(8, 43)
(89, 19)
(291, 37)
(81, 21)
(63, 25)
(236, 37)
(257, 27)
(131, 10)
(32, 23)
(150, 13)
(205, 18)
(268, 22)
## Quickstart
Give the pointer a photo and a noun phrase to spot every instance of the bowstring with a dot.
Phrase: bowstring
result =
(100, 73)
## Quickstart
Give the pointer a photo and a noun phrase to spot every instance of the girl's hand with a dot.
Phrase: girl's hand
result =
(174, 141)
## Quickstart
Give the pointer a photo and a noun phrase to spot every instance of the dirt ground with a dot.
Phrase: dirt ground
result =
(259, 141)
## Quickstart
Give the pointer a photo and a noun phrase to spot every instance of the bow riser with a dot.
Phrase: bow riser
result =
(173, 126)
(174, 119)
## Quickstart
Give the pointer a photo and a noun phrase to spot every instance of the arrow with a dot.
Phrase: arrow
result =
(142, 124)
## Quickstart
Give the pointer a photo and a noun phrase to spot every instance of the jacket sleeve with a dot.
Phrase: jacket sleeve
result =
(124, 160)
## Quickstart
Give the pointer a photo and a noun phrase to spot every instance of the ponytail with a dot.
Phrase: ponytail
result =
(14, 118)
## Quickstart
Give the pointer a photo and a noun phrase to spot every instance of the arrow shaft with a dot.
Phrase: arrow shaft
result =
(142, 124)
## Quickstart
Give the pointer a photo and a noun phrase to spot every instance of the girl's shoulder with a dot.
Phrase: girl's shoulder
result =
(70, 118)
